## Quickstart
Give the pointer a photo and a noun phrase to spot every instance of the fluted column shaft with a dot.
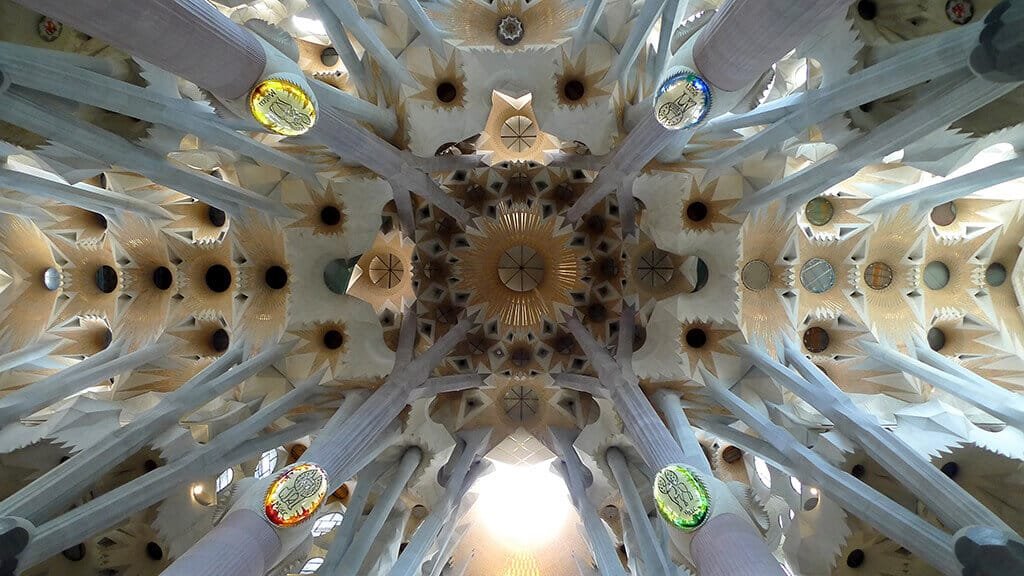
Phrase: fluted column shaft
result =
(652, 554)
(745, 37)
(370, 528)
(463, 474)
(56, 489)
(120, 503)
(672, 408)
(190, 38)
(74, 379)
(346, 532)
(601, 546)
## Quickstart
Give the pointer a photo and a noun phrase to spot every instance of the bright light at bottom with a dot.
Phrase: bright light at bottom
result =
(524, 506)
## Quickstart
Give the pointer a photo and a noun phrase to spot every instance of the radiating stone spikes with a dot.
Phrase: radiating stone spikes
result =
(928, 58)
(114, 506)
(927, 197)
(354, 557)
(56, 489)
(947, 100)
(601, 545)
(24, 109)
(29, 180)
(859, 499)
(464, 472)
(951, 503)
(368, 39)
(653, 555)
(339, 39)
(74, 379)
(88, 87)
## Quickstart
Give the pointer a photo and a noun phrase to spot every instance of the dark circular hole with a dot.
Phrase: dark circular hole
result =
(696, 338)
(811, 503)
(608, 266)
(154, 551)
(950, 469)
(639, 337)
(867, 9)
(276, 277)
(697, 211)
(106, 279)
(816, 339)
(74, 553)
(857, 471)
(220, 340)
(936, 339)
(218, 278)
(573, 90)
(329, 57)
(944, 214)
(216, 216)
(149, 465)
(855, 558)
(446, 92)
(731, 454)
(330, 215)
(333, 339)
(108, 337)
(100, 219)
(162, 277)
(595, 224)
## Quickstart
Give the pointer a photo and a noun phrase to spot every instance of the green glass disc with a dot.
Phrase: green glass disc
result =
(819, 211)
(681, 497)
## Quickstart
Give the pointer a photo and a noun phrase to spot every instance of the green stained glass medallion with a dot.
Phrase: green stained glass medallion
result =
(819, 211)
(681, 497)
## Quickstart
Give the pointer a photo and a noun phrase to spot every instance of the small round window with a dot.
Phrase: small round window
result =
(819, 211)
(818, 275)
(995, 274)
(936, 275)
(878, 275)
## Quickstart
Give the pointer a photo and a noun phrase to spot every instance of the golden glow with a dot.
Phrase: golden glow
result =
(523, 506)
(282, 107)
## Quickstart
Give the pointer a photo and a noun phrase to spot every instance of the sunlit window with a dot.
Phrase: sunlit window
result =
(326, 523)
(225, 478)
(763, 474)
(266, 465)
(311, 566)
(524, 506)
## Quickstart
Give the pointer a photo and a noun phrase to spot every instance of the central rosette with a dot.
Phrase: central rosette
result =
(519, 267)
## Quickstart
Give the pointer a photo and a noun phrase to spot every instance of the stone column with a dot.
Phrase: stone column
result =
(353, 559)
(672, 409)
(459, 480)
(29, 353)
(114, 506)
(659, 449)
(346, 532)
(745, 37)
(652, 554)
(601, 546)
(59, 487)
(74, 379)
(189, 38)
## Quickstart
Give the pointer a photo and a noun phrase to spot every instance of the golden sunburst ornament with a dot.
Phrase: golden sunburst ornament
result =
(519, 267)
